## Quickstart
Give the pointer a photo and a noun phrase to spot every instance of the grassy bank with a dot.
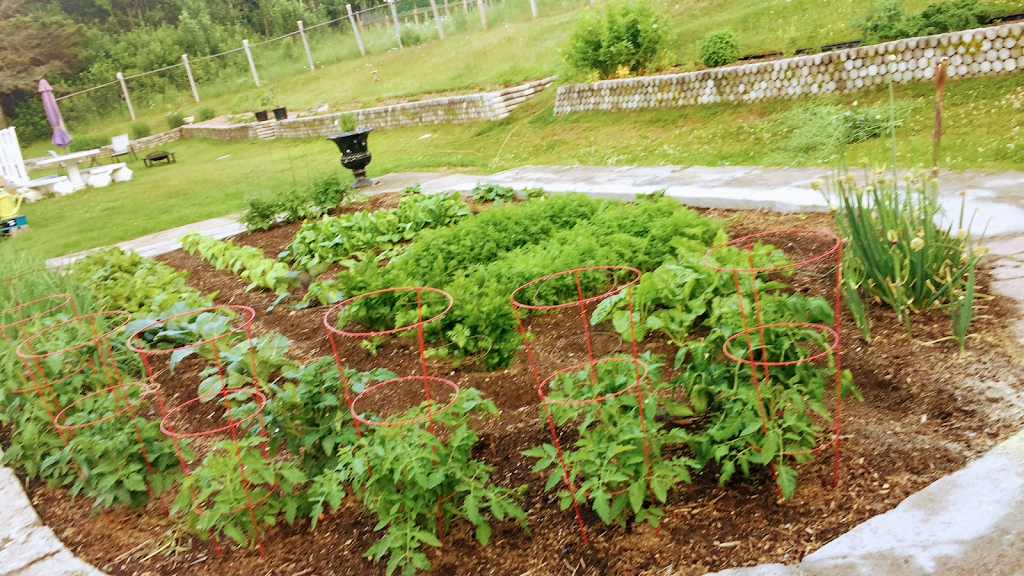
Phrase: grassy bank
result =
(982, 124)
(514, 49)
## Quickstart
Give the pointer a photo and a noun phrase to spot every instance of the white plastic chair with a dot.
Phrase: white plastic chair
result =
(122, 146)
(12, 166)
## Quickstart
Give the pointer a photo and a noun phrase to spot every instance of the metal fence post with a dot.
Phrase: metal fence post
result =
(127, 98)
(355, 29)
(398, 31)
(437, 19)
(191, 80)
(483, 17)
(252, 65)
(305, 44)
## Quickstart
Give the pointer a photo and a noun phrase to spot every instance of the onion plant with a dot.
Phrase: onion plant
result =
(896, 250)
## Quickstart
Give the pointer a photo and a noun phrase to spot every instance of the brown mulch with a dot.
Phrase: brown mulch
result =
(927, 411)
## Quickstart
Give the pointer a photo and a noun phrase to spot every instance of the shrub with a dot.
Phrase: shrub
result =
(886, 19)
(347, 122)
(720, 47)
(87, 143)
(411, 36)
(882, 22)
(175, 120)
(953, 15)
(140, 130)
(821, 130)
(628, 35)
(206, 114)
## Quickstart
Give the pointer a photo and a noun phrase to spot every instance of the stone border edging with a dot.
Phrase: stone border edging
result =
(979, 52)
(27, 547)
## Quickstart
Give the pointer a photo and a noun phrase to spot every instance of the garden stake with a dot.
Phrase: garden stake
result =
(940, 85)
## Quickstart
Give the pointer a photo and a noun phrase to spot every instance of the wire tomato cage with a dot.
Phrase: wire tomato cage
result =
(236, 404)
(61, 359)
(567, 290)
(104, 406)
(414, 320)
(64, 360)
(814, 255)
(15, 321)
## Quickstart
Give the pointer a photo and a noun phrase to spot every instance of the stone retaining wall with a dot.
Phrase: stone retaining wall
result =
(972, 53)
(222, 133)
(452, 110)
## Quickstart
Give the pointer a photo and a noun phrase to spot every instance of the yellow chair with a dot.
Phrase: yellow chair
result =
(10, 205)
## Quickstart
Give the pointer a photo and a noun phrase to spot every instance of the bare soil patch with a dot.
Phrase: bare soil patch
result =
(927, 411)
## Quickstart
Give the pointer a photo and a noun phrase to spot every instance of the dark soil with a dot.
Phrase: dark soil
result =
(927, 411)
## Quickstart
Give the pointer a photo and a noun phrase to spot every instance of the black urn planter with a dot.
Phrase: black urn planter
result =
(281, 113)
(354, 154)
(261, 116)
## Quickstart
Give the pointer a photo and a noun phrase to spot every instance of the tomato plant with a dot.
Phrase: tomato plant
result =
(618, 463)
(308, 412)
(214, 498)
(408, 477)
(736, 437)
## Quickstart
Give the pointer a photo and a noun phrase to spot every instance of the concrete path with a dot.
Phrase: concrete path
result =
(27, 548)
(966, 524)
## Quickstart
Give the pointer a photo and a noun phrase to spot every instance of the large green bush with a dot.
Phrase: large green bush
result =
(886, 19)
(626, 35)
(720, 47)
(175, 120)
(140, 130)
(79, 143)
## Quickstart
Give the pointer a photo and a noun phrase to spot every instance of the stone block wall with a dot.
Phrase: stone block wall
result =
(452, 110)
(223, 133)
(154, 141)
(971, 53)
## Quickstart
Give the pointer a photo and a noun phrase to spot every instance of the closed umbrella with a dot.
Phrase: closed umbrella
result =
(60, 137)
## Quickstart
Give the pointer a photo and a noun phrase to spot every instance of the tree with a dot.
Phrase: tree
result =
(33, 45)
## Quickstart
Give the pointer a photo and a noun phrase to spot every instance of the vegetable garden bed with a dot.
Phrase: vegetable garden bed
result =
(926, 411)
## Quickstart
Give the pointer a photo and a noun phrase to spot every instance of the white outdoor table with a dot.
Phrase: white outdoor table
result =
(70, 162)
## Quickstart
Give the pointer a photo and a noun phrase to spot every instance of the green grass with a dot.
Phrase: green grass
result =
(980, 113)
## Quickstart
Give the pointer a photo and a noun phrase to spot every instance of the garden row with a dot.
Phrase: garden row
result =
(115, 409)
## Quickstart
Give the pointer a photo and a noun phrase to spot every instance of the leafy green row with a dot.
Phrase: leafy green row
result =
(126, 281)
(312, 200)
(248, 261)
(321, 242)
(482, 260)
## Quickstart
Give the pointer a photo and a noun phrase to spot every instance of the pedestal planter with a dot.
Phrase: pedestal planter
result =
(354, 154)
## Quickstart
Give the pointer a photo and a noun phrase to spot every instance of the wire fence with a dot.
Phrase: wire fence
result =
(395, 24)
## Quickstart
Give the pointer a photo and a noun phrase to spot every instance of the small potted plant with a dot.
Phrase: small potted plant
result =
(352, 143)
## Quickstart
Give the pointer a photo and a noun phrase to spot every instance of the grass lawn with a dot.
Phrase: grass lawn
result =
(983, 120)
(514, 49)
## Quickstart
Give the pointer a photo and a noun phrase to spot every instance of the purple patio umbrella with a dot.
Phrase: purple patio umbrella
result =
(60, 137)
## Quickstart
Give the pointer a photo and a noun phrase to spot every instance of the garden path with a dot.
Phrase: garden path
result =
(968, 523)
